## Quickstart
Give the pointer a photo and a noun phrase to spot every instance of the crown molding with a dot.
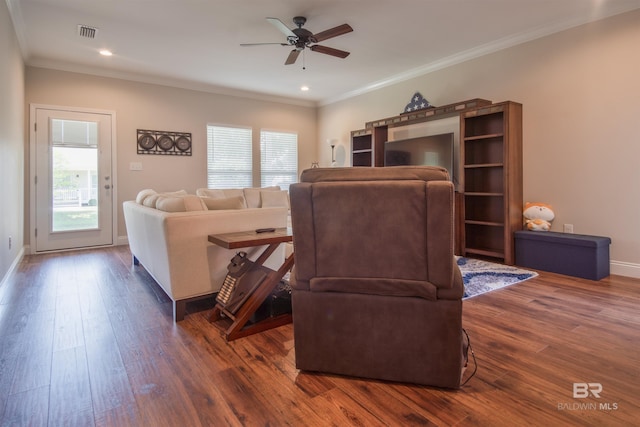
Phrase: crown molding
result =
(166, 81)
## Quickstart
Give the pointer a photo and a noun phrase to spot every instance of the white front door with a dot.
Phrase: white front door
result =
(73, 179)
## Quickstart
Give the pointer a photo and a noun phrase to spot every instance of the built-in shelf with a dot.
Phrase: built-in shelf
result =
(432, 113)
(362, 148)
(491, 153)
(489, 197)
(484, 165)
(481, 137)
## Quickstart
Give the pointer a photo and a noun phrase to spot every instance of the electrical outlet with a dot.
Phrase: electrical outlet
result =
(568, 228)
(135, 166)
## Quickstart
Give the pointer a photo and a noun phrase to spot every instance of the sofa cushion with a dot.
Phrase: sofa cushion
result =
(193, 203)
(143, 194)
(212, 193)
(233, 192)
(221, 204)
(170, 204)
(274, 199)
(185, 203)
(175, 193)
(149, 197)
(252, 195)
(150, 200)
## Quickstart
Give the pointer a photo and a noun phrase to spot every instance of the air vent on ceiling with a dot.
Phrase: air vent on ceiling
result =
(88, 32)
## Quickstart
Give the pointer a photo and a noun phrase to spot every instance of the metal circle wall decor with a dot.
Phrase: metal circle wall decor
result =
(146, 141)
(164, 142)
(183, 143)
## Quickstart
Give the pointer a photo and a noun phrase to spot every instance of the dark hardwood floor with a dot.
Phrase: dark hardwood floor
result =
(86, 339)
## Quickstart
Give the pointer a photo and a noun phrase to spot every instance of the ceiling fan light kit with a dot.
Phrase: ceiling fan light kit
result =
(301, 39)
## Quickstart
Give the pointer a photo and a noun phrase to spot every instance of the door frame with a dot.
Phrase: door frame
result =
(32, 172)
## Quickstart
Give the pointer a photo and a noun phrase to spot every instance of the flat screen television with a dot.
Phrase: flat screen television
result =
(433, 150)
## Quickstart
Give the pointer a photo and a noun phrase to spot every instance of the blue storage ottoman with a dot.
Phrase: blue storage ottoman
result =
(571, 254)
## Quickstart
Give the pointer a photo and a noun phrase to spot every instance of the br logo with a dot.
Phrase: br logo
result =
(583, 390)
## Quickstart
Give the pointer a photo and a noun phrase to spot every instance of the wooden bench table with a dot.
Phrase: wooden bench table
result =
(239, 327)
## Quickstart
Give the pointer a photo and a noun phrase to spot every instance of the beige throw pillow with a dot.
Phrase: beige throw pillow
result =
(193, 203)
(274, 199)
(252, 195)
(186, 203)
(150, 200)
(233, 192)
(170, 204)
(143, 194)
(222, 204)
(211, 193)
(174, 193)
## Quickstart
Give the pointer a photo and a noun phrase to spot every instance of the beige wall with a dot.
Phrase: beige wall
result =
(11, 145)
(147, 106)
(580, 90)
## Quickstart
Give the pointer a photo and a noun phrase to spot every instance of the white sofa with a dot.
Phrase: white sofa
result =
(168, 235)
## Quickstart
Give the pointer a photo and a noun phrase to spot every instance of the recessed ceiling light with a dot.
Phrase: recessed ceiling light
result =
(105, 52)
(304, 88)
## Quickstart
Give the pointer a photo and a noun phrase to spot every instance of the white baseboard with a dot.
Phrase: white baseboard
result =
(14, 265)
(627, 269)
(121, 240)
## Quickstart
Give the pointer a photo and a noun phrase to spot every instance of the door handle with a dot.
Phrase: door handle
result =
(106, 187)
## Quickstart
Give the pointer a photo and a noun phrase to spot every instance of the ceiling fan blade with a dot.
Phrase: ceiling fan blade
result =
(329, 51)
(261, 44)
(291, 59)
(282, 27)
(332, 32)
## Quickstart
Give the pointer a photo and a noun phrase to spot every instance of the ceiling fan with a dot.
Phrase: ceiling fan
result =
(301, 38)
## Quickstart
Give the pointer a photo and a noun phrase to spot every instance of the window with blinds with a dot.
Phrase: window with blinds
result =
(278, 158)
(229, 157)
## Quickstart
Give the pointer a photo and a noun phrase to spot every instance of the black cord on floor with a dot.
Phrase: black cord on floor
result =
(473, 356)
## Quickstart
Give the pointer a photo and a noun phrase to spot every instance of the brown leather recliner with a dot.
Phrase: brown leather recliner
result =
(376, 292)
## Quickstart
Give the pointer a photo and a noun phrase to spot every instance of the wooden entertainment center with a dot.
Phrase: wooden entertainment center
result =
(488, 172)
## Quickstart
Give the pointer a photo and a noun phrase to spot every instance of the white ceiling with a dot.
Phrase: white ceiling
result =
(196, 43)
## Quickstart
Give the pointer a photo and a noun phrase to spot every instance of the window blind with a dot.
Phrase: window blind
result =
(278, 158)
(74, 133)
(229, 157)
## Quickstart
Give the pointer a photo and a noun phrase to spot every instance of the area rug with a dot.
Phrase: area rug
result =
(482, 276)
